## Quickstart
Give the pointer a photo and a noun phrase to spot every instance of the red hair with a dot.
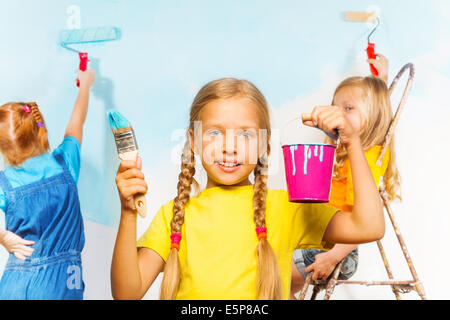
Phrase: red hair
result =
(22, 134)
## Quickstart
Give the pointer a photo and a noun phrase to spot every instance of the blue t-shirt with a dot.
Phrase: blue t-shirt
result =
(43, 167)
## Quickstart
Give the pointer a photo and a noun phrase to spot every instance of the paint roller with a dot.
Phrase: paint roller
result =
(88, 35)
(366, 17)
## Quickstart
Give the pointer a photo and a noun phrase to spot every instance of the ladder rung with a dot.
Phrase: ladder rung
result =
(375, 283)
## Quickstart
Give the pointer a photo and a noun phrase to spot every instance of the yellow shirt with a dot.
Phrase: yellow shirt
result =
(218, 246)
(342, 189)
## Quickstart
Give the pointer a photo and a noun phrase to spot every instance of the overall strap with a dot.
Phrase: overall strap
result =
(59, 158)
(62, 163)
(4, 183)
(6, 187)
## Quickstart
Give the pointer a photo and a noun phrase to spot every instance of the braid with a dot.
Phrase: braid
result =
(268, 280)
(260, 190)
(37, 116)
(42, 131)
(259, 194)
(172, 270)
(184, 188)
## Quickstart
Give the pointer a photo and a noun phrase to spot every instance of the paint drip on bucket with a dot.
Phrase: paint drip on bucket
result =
(317, 149)
(316, 160)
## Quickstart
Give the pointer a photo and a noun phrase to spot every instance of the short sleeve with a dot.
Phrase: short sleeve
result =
(314, 219)
(157, 236)
(70, 151)
(377, 172)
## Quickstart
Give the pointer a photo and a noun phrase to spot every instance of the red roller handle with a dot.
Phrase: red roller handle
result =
(83, 63)
(371, 54)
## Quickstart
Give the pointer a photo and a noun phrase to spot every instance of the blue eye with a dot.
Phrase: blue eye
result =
(246, 134)
(213, 132)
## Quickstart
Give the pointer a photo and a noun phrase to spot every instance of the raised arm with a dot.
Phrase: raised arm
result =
(132, 271)
(382, 66)
(366, 222)
(75, 126)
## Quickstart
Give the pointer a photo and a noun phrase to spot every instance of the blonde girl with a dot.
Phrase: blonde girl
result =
(235, 239)
(366, 105)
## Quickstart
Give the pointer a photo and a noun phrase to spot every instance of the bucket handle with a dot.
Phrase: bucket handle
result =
(306, 117)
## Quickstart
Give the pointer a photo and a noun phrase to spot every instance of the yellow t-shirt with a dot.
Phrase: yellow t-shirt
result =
(341, 195)
(218, 246)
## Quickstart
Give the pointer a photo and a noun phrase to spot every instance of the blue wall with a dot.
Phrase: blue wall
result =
(169, 49)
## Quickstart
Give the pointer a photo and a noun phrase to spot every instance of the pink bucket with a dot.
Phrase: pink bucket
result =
(309, 170)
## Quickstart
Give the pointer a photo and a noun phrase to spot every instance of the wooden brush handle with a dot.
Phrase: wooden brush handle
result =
(333, 135)
(306, 117)
(141, 204)
(139, 200)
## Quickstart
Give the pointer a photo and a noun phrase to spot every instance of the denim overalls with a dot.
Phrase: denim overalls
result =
(48, 213)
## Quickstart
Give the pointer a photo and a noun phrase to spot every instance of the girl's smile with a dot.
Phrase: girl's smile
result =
(228, 166)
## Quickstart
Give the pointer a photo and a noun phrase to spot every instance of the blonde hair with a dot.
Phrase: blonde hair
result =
(22, 133)
(378, 116)
(268, 283)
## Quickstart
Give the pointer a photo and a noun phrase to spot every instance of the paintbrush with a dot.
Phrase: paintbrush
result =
(127, 149)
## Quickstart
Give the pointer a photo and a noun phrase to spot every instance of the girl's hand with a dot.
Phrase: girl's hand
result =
(87, 78)
(331, 118)
(323, 266)
(16, 245)
(130, 181)
(382, 66)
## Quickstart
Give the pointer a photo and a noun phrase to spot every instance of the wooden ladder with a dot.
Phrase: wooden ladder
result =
(398, 286)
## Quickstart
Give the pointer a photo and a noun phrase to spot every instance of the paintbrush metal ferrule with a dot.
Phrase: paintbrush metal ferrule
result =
(125, 140)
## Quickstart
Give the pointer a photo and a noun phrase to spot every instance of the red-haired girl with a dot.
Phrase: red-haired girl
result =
(38, 194)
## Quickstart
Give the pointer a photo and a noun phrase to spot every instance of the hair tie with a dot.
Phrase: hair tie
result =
(175, 243)
(261, 232)
(26, 108)
(40, 124)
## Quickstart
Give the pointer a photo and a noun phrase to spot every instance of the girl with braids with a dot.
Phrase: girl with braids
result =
(235, 239)
(38, 194)
(366, 104)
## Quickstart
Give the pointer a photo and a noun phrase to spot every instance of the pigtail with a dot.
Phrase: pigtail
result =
(172, 271)
(268, 282)
(39, 120)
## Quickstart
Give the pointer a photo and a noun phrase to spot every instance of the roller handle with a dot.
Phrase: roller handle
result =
(371, 55)
(83, 64)
(333, 135)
